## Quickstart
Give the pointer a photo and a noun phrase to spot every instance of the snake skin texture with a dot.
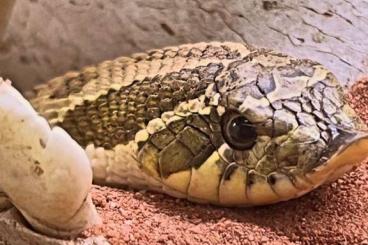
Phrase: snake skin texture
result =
(156, 120)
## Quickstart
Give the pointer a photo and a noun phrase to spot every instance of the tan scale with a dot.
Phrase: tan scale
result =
(260, 192)
(204, 182)
(179, 181)
(233, 191)
(283, 187)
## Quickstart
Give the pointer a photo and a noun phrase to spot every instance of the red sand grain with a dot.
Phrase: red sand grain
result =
(333, 214)
(358, 98)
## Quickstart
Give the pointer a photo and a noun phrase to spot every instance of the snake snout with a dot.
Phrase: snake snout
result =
(351, 149)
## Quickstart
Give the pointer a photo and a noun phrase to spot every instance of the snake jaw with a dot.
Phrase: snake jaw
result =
(348, 156)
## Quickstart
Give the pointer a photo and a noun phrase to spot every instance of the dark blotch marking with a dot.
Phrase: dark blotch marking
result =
(162, 138)
(42, 143)
(167, 29)
(202, 156)
(269, 5)
(174, 158)
(24, 59)
(190, 148)
(73, 83)
(272, 179)
(37, 169)
(301, 39)
(229, 171)
(193, 139)
(250, 181)
(328, 14)
(116, 117)
(198, 122)
(176, 126)
(100, 5)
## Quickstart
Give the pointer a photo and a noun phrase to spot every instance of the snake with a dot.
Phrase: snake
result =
(223, 123)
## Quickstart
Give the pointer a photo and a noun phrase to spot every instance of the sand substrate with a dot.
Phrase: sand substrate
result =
(333, 214)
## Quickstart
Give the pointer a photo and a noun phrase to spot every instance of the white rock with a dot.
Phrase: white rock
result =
(44, 172)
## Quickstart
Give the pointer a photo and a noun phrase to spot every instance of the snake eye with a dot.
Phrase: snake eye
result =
(238, 132)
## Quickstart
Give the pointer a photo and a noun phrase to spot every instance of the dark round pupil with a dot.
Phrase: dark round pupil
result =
(242, 132)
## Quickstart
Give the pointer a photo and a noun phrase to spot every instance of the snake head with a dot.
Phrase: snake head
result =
(267, 128)
(287, 125)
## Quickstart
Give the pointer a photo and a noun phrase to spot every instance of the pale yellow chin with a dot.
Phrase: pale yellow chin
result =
(346, 158)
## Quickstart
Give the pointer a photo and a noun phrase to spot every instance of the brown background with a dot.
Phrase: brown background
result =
(47, 38)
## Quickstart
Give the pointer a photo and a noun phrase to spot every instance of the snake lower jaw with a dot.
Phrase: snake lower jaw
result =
(346, 158)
